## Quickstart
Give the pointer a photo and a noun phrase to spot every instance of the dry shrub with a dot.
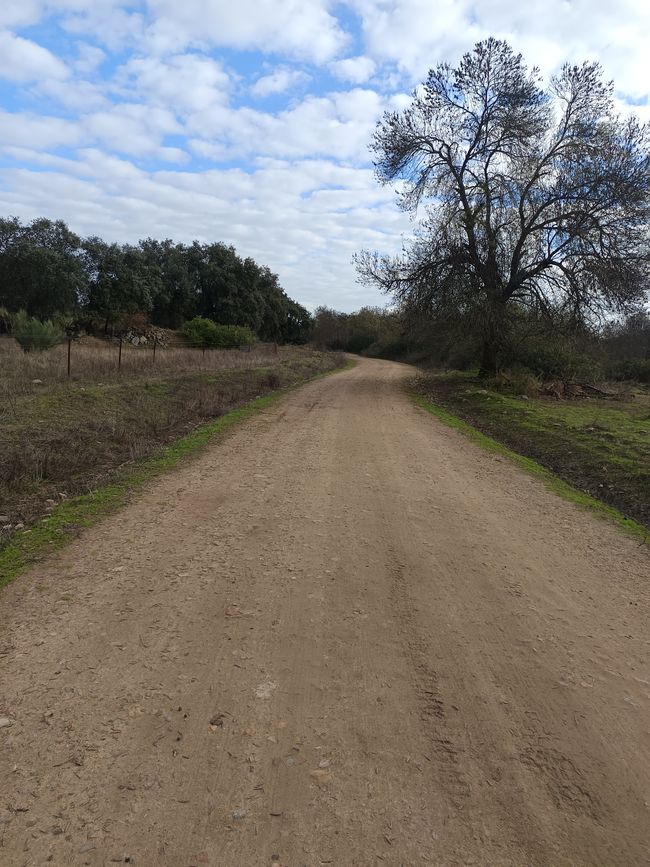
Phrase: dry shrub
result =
(519, 382)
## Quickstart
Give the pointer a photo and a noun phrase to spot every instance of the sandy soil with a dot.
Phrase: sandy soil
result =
(345, 635)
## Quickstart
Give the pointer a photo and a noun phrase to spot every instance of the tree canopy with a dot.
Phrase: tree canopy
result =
(529, 195)
(45, 269)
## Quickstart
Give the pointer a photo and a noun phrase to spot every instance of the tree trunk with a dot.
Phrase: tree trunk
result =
(493, 338)
(488, 364)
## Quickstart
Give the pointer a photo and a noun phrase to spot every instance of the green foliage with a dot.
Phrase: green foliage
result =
(232, 336)
(199, 331)
(41, 269)
(630, 369)
(34, 335)
(205, 333)
(463, 354)
(45, 269)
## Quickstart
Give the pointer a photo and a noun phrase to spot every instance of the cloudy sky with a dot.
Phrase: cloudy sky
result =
(247, 121)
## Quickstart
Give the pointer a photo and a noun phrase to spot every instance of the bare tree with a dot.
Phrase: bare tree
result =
(526, 194)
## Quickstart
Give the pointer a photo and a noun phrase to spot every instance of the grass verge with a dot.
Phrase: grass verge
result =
(66, 520)
(550, 480)
(599, 445)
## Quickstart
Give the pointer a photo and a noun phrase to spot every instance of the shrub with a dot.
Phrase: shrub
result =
(463, 354)
(34, 335)
(206, 334)
(630, 369)
(388, 347)
(137, 322)
(231, 336)
(199, 331)
(551, 357)
(516, 381)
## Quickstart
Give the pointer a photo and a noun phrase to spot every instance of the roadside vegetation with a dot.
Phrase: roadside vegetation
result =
(61, 437)
(599, 444)
(109, 351)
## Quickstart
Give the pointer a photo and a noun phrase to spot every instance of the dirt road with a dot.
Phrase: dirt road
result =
(345, 635)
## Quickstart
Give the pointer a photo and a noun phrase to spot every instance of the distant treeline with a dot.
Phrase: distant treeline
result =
(548, 346)
(50, 272)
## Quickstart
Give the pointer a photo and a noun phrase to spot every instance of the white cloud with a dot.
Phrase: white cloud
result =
(279, 81)
(89, 57)
(355, 69)
(295, 27)
(24, 60)
(417, 34)
(131, 128)
(183, 83)
(337, 125)
(20, 13)
(77, 95)
(106, 22)
(27, 130)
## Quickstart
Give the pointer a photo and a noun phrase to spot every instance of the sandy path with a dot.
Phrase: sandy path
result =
(419, 654)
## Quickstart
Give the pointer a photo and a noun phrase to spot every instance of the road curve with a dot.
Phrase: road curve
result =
(344, 635)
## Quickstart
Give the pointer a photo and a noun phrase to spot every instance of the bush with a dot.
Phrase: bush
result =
(204, 333)
(516, 381)
(199, 331)
(637, 369)
(464, 354)
(232, 336)
(34, 335)
(551, 357)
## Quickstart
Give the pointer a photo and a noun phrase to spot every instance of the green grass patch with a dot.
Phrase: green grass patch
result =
(67, 519)
(551, 481)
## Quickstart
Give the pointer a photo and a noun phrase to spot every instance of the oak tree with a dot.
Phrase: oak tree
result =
(525, 194)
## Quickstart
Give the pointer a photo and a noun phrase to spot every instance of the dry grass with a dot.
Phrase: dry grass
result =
(64, 437)
(95, 361)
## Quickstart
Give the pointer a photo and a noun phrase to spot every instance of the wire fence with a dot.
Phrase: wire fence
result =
(93, 359)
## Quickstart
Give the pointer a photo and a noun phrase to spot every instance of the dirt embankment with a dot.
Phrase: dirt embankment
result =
(344, 636)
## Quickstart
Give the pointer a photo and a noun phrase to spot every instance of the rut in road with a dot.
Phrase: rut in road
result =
(344, 635)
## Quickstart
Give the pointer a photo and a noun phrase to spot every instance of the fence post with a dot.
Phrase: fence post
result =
(155, 343)
(69, 352)
(119, 356)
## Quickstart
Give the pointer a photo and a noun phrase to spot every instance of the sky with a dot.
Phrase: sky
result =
(248, 121)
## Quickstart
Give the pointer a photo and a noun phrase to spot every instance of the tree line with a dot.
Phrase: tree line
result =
(48, 271)
(617, 349)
